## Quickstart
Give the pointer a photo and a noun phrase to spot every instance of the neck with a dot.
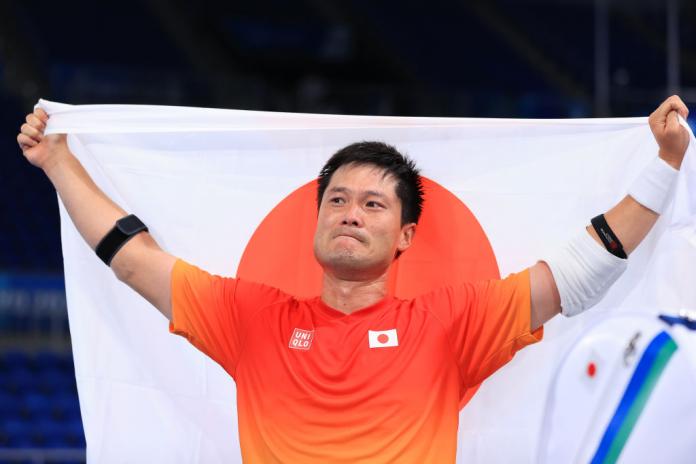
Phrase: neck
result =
(350, 295)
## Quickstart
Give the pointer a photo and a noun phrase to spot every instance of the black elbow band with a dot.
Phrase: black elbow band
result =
(125, 229)
(606, 235)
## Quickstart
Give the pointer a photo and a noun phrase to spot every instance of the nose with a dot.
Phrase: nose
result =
(353, 217)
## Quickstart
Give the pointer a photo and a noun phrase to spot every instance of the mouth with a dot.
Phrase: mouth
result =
(353, 236)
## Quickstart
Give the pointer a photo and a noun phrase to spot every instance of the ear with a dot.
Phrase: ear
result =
(406, 237)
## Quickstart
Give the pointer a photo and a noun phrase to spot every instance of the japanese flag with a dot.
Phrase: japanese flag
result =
(382, 338)
(179, 168)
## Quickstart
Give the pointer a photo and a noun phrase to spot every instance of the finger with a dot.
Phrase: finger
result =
(679, 105)
(663, 110)
(34, 121)
(25, 142)
(674, 103)
(41, 114)
(672, 122)
(32, 132)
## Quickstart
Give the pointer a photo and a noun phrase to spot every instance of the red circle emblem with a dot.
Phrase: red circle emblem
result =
(449, 247)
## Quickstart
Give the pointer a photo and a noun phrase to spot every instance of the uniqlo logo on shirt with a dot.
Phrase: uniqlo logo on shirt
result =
(301, 339)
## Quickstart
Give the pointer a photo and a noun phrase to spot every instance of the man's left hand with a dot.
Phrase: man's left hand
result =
(671, 136)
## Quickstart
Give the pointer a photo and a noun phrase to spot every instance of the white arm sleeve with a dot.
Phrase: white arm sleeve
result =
(583, 270)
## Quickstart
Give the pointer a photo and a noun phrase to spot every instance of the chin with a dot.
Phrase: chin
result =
(349, 266)
(344, 258)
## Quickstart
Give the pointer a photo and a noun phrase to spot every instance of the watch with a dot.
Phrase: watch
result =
(125, 229)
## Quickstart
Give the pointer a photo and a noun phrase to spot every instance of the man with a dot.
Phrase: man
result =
(355, 375)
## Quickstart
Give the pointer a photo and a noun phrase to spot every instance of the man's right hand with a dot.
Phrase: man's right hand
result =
(140, 263)
(41, 150)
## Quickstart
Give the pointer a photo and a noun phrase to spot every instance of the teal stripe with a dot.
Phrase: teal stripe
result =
(643, 381)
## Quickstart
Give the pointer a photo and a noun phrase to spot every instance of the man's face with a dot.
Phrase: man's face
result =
(359, 226)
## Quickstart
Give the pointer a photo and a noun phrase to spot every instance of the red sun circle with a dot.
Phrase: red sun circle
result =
(383, 338)
(449, 247)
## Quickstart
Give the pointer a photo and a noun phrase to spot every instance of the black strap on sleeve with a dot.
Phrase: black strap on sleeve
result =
(125, 229)
(609, 239)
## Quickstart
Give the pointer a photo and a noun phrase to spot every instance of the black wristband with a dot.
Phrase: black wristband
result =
(606, 235)
(125, 229)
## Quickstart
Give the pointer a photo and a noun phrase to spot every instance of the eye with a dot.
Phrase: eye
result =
(337, 200)
(374, 204)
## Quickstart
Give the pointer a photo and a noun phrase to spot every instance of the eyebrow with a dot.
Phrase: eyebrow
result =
(374, 193)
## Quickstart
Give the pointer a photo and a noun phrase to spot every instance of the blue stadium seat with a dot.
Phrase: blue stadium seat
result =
(10, 407)
(12, 359)
(55, 380)
(20, 380)
(37, 406)
(66, 406)
(17, 433)
(49, 359)
(75, 434)
(48, 433)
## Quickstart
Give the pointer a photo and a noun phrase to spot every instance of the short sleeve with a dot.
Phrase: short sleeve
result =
(214, 312)
(487, 323)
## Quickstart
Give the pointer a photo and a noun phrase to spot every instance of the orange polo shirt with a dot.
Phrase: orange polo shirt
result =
(382, 384)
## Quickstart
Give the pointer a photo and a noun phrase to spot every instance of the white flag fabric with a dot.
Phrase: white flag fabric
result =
(204, 180)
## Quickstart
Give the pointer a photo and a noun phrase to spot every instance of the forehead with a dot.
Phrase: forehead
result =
(362, 177)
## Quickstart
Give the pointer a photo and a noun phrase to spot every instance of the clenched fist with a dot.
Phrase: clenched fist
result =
(41, 151)
(671, 136)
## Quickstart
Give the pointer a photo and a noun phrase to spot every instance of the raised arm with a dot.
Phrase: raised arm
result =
(141, 263)
(629, 220)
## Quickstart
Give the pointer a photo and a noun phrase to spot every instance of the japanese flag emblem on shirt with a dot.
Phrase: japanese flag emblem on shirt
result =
(382, 338)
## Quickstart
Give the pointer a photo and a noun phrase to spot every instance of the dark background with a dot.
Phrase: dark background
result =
(497, 58)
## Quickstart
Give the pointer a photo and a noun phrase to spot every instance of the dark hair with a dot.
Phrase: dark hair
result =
(409, 187)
